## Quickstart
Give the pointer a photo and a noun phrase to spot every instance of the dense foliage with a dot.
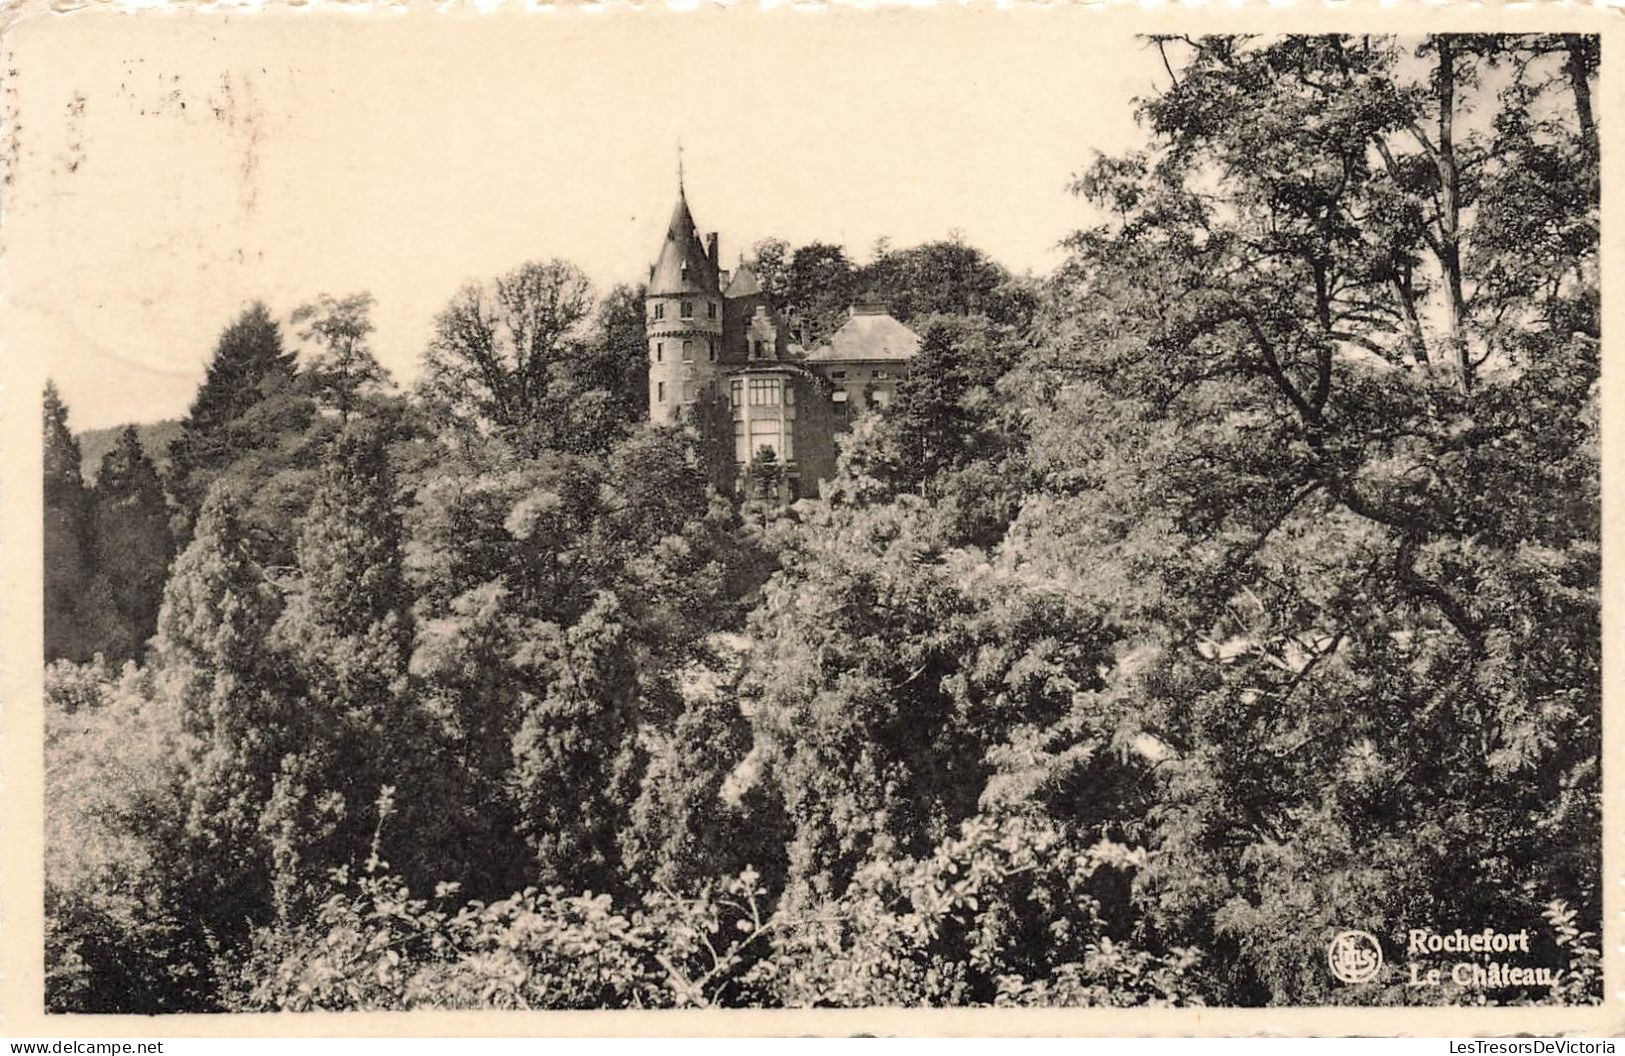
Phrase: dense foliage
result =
(107, 545)
(1235, 585)
(816, 284)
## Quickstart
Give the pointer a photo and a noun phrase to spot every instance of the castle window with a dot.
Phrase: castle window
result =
(713, 345)
(660, 309)
(764, 392)
(736, 392)
(882, 375)
(688, 351)
(686, 310)
(765, 432)
(741, 449)
(688, 392)
(660, 351)
(660, 392)
(710, 309)
(837, 375)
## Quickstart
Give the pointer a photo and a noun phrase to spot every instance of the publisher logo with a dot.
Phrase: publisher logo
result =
(1354, 956)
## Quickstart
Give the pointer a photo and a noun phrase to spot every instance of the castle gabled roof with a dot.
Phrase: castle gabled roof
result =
(744, 282)
(868, 335)
(683, 266)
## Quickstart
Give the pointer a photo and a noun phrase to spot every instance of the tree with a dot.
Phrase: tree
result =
(897, 686)
(68, 567)
(121, 931)
(1275, 466)
(576, 760)
(1345, 128)
(131, 544)
(819, 288)
(711, 418)
(214, 657)
(690, 826)
(348, 611)
(687, 565)
(764, 476)
(510, 358)
(950, 435)
(267, 442)
(249, 364)
(343, 368)
(506, 565)
(946, 413)
(622, 349)
(770, 259)
(944, 278)
(347, 632)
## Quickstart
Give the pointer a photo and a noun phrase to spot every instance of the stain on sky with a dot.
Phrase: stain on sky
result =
(74, 155)
(230, 101)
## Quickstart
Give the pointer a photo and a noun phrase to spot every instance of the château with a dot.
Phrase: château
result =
(715, 335)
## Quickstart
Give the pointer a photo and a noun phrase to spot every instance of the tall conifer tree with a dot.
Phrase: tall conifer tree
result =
(347, 632)
(67, 571)
(130, 544)
(249, 363)
(218, 608)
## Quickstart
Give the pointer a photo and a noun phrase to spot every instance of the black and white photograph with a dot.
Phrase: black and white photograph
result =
(758, 509)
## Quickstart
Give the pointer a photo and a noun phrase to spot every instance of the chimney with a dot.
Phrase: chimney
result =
(711, 249)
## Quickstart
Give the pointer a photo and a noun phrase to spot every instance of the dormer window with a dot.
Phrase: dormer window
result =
(756, 351)
(687, 310)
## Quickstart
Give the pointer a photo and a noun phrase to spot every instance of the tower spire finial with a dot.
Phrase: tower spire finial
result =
(679, 166)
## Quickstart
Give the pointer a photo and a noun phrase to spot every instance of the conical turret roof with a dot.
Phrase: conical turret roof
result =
(683, 266)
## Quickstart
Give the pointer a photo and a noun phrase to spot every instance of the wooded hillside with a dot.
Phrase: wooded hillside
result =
(1232, 586)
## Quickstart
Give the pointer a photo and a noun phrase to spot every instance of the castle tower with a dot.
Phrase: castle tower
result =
(683, 315)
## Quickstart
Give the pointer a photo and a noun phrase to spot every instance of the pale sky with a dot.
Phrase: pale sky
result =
(169, 168)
